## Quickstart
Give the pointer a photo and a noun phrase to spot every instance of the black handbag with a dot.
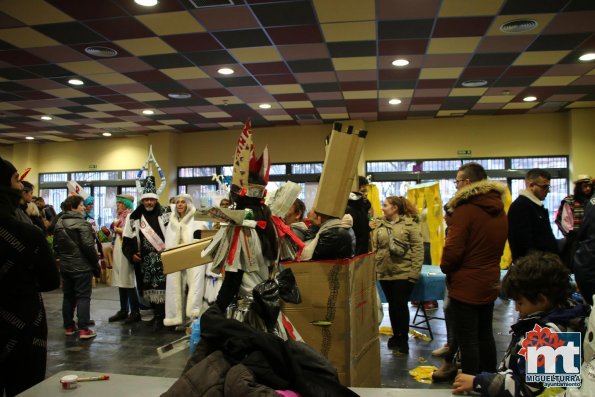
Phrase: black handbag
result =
(266, 302)
(288, 288)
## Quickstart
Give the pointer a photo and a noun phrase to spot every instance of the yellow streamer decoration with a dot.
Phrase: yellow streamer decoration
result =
(385, 331)
(419, 335)
(423, 373)
(427, 195)
(374, 198)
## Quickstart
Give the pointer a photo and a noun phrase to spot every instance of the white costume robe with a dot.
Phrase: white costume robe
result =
(122, 270)
(181, 231)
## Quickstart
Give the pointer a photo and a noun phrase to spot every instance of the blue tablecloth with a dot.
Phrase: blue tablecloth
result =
(429, 287)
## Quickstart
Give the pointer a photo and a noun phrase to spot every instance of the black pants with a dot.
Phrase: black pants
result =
(397, 294)
(129, 300)
(77, 295)
(472, 325)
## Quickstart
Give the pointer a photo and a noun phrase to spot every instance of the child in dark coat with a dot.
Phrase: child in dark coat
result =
(540, 285)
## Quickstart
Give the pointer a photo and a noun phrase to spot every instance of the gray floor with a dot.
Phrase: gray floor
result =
(119, 348)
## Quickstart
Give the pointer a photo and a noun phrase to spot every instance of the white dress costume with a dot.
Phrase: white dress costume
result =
(122, 270)
(181, 231)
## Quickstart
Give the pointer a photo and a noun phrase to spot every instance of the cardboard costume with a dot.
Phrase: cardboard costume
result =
(246, 246)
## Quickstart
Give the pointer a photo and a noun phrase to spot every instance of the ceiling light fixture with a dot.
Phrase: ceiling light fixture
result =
(107, 134)
(264, 106)
(519, 26)
(395, 101)
(400, 62)
(529, 99)
(148, 112)
(589, 56)
(29, 138)
(101, 52)
(179, 95)
(46, 118)
(225, 71)
(146, 3)
(75, 82)
(474, 83)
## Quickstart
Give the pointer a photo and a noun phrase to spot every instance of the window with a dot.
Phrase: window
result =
(54, 197)
(306, 168)
(193, 172)
(395, 177)
(58, 177)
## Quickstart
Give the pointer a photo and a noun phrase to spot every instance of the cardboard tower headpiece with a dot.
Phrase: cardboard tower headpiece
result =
(250, 174)
(339, 170)
(77, 190)
(149, 190)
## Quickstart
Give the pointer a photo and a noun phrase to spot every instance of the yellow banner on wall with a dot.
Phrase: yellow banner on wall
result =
(426, 198)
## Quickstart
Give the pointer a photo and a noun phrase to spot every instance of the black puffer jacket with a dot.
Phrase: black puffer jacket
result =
(358, 209)
(74, 243)
(335, 243)
(584, 258)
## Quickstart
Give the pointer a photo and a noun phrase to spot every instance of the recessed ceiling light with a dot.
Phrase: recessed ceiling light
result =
(225, 71)
(474, 83)
(400, 62)
(395, 101)
(146, 3)
(264, 106)
(587, 57)
(529, 99)
(107, 134)
(75, 82)
(519, 26)
(148, 111)
(46, 118)
(179, 95)
(29, 138)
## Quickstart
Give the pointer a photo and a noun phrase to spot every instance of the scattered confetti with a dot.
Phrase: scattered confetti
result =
(423, 373)
(385, 331)
(419, 335)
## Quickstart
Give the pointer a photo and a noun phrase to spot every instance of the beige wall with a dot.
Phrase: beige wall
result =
(582, 142)
(6, 152)
(516, 135)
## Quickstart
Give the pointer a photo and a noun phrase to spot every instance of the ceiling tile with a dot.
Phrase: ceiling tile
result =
(171, 23)
(460, 8)
(226, 18)
(556, 42)
(505, 44)
(58, 54)
(204, 58)
(453, 45)
(493, 59)
(125, 65)
(402, 47)
(86, 68)
(284, 88)
(350, 10)
(354, 63)
(405, 29)
(532, 7)
(440, 73)
(69, 33)
(166, 61)
(446, 60)
(267, 68)
(185, 73)
(571, 22)
(568, 70)
(26, 37)
(295, 34)
(540, 57)
(352, 49)
(276, 79)
(119, 28)
(243, 38)
(303, 51)
(285, 13)
(357, 75)
(315, 77)
(461, 27)
(44, 12)
(146, 46)
(407, 9)
(436, 83)
(554, 80)
(256, 54)
(349, 31)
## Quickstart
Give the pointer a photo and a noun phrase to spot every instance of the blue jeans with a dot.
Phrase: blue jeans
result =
(472, 325)
(77, 295)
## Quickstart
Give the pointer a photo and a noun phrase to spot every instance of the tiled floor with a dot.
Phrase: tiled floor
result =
(119, 348)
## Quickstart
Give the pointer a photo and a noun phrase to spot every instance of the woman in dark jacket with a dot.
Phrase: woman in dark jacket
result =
(74, 244)
(26, 269)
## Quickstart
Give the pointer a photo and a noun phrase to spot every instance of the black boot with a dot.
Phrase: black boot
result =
(133, 318)
(119, 316)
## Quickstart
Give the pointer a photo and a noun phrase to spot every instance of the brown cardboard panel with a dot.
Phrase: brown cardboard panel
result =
(185, 256)
(338, 173)
(338, 315)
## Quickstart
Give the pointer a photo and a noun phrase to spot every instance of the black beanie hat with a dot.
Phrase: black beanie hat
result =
(6, 172)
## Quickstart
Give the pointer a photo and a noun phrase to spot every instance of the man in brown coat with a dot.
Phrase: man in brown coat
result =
(477, 231)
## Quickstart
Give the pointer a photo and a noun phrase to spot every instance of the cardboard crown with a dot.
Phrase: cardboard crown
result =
(246, 167)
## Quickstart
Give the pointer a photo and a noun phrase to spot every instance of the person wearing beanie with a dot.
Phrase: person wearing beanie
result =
(27, 269)
(122, 269)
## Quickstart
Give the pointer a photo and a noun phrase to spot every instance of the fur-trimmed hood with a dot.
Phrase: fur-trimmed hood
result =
(486, 194)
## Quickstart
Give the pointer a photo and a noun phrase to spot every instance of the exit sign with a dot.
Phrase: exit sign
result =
(92, 166)
(464, 152)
